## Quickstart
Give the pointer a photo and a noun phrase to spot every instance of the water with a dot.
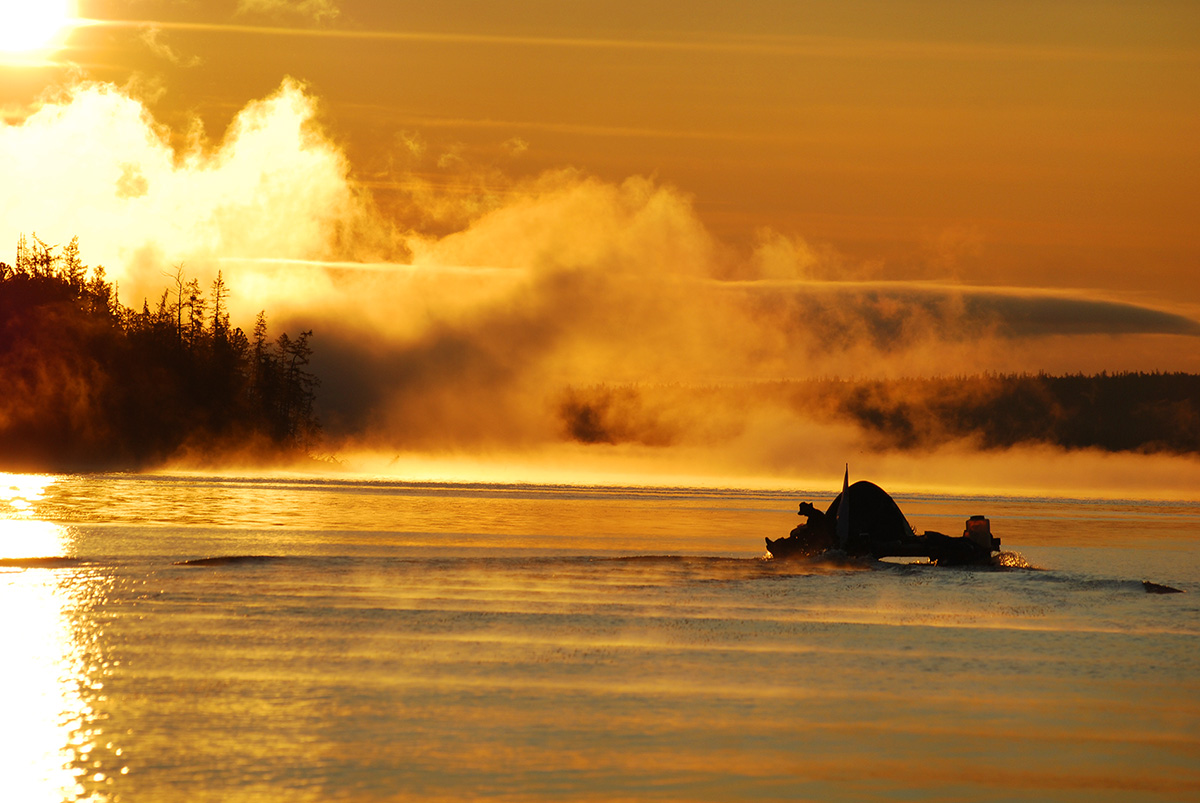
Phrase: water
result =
(405, 641)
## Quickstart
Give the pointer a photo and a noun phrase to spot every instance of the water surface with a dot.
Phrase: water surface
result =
(377, 640)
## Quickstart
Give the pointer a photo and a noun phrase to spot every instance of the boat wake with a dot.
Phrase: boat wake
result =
(228, 560)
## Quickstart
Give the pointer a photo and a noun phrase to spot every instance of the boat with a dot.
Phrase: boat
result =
(864, 521)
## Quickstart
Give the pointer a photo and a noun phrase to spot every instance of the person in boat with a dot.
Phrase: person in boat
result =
(873, 517)
(815, 535)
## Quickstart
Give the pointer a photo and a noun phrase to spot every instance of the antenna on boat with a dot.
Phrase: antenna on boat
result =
(843, 512)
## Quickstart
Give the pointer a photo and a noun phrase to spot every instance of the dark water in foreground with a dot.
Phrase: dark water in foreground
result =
(446, 642)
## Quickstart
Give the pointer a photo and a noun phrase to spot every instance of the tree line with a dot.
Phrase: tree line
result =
(87, 383)
(1120, 412)
(1123, 412)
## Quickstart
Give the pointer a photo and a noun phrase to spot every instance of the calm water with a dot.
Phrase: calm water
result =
(446, 642)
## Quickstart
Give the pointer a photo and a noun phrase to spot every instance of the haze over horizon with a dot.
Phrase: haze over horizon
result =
(476, 208)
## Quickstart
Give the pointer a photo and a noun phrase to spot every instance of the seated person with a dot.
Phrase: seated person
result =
(811, 538)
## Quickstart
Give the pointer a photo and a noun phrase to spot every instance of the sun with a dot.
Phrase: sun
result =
(31, 26)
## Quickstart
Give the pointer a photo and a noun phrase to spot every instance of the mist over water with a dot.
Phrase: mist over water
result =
(485, 321)
(562, 410)
(348, 635)
(381, 640)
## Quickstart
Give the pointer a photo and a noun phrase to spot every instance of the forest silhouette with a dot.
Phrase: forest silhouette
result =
(87, 384)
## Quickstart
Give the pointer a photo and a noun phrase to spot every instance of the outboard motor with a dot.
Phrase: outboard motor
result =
(979, 530)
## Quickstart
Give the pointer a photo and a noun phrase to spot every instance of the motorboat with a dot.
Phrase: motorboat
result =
(864, 521)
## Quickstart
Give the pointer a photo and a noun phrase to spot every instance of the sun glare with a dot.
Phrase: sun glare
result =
(32, 26)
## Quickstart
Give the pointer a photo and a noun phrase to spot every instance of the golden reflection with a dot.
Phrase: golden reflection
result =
(30, 539)
(51, 667)
(44, 705)
(19, 492)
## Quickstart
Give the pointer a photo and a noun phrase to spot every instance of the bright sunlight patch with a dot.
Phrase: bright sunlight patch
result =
(29, 26)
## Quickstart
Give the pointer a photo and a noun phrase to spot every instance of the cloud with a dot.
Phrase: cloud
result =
(516, 146)
(565, 220)
(319, 10)
(1026, 314)
(511, 314)
(94, 163)
(892, 315)
(509, 364)
(151, 37)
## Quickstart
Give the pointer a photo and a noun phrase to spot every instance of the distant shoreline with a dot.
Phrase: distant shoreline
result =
(1152, 413)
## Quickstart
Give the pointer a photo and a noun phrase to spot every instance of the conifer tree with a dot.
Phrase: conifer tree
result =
(94, 384)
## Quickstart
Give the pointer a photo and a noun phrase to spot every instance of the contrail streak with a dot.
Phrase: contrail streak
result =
(385, 267)
(439, 38)
(819, 46)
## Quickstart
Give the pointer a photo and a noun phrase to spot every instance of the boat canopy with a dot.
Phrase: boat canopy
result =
(871, 513)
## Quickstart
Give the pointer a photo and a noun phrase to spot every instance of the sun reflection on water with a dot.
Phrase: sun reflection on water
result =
(19, 493)
(51, 663)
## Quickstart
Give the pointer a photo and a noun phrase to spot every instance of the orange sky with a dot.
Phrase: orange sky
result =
(1019, 144)
(507, 198)
(1027, 143)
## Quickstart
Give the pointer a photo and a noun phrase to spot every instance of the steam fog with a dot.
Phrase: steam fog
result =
(566, 319)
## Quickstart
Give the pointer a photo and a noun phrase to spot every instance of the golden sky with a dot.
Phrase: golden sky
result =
(628, 191)
(1022, 142)
(515, 197)
(1026, 143)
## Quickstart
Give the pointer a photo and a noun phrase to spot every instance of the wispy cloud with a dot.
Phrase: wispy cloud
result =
(826, 47)
(587, 130)
(152, 38)
(319, 10)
